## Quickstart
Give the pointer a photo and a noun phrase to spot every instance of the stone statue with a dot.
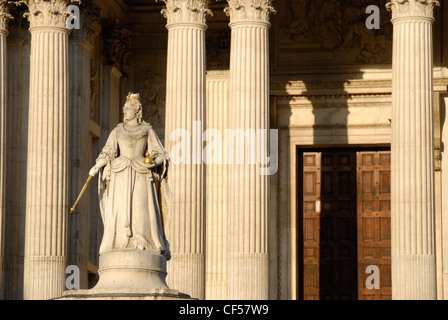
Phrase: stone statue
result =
(128, 198)
(128, 166)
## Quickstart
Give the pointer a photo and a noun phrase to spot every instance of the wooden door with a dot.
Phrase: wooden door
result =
(374, 229)
(329, 225)
(311, 224)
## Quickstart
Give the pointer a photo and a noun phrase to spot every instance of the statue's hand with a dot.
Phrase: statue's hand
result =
(94, 171)
(156, 162)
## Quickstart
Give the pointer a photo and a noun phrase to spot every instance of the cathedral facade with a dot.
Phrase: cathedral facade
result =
(334, 184)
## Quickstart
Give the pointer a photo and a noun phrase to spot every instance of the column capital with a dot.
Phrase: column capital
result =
(4, 16)
(47, 13)
(180, 12)
(249, 11)
(412, 9)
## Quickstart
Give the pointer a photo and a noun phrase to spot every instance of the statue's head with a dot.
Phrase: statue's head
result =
(133, 108)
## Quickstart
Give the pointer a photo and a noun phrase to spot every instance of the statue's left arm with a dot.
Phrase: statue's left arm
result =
(159, 155)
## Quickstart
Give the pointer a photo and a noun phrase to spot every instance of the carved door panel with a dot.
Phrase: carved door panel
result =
(329, 225)
(311, 224)
(338, 263)
(374, 228)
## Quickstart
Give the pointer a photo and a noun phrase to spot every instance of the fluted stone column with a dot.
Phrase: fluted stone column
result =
(80, 48)
(413, 233)
(216, 191)
(248, 260)
(4, 18)
(46, 201)
(185, 110)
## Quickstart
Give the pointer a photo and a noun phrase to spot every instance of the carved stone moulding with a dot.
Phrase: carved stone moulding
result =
(412, 9)
(250, 11)
(117, 45)
(47, 13)
(90, 21)
(4, 16)
(186, 12)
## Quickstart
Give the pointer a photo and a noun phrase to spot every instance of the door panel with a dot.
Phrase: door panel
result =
(338, 227)
(374, 229)
(329, 225)
(311, 224)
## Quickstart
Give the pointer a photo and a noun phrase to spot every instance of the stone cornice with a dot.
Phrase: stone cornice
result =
(412, 9)
(192, 12)
(47, 13)
(246, 11)
(4, 16)
(341, 88)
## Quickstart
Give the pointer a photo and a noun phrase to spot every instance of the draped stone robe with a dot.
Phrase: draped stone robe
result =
(128, 198)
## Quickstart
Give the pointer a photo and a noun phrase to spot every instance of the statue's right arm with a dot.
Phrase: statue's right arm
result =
(108, 154)
(97, 167)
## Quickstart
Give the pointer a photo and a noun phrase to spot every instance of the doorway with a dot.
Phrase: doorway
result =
(344, 224)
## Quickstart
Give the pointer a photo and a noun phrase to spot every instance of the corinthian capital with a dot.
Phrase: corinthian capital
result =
(4, 15)
(249, 11)
(47, 13)
(412, 8)
(186, 12)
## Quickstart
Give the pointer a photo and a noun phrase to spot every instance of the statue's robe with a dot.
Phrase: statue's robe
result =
(127, 192)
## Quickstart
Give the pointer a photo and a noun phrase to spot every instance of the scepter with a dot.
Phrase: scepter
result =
(82, 193)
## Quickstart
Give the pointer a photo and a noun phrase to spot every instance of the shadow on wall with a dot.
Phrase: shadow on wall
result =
(332, 274)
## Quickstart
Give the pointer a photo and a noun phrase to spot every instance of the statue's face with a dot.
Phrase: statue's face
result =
(129, 112)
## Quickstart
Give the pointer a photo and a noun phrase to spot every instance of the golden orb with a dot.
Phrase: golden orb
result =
(148, 161)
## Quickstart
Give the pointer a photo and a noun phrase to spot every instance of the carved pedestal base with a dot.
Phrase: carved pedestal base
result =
(126, 275)
(132, 270)
(124, 294)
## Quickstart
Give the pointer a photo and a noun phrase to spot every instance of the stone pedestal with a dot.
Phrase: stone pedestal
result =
(412, 174)
(132, 270)
(129, 275)
(124, 294)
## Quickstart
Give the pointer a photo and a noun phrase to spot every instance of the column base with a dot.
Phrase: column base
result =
(414, 277)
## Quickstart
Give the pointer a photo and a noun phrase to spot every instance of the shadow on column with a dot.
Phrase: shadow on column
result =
(19, 47)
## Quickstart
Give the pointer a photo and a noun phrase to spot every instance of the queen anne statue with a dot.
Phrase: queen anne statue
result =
(129, 165)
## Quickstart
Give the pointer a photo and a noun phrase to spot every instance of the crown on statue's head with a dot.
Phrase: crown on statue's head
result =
(133, 97)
